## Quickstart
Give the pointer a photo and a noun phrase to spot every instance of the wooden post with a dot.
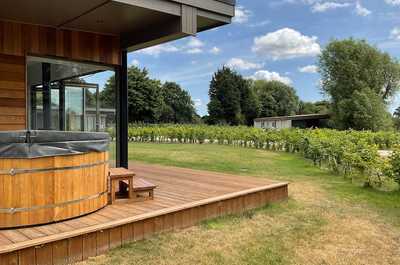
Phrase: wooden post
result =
(122, 110)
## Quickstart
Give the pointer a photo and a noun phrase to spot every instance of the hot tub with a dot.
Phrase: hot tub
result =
(48, 176)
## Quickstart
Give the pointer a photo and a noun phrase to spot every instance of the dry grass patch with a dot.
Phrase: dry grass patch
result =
(326, 221)
(302, 231)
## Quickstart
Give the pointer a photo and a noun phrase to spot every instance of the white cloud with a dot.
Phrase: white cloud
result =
(157, 50)
(134, 62)
(319, 6)
(241, 64)
(242, 15)
(270, 76)
(393, 2)
(192, 46)
(215, 50)
(325, 6)
(194, 43)
(194, 51)
(309, 69)
(260, 24)
(362, 11)
(395, 33)
(197, 102)
(286, 43)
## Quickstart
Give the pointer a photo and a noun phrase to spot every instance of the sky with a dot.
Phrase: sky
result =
(273, 40)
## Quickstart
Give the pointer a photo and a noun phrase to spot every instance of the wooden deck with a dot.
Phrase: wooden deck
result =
(183, 198)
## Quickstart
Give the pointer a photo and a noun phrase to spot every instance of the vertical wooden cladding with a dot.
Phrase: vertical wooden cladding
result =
(19, 39)
(12, 92)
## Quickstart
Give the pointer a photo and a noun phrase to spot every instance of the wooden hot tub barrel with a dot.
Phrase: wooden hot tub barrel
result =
(38, 190)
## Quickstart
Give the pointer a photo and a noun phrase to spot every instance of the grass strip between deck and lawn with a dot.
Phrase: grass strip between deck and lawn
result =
(327, 219)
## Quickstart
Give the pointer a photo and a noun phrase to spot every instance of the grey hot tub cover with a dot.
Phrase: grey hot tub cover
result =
(33, 144)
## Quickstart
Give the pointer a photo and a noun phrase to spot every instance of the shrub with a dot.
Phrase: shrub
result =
(350, 153)
(394, 169)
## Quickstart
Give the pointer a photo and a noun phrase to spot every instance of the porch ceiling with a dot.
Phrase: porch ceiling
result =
(125, 18)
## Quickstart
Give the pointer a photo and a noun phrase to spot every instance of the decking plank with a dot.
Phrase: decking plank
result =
(182, 198)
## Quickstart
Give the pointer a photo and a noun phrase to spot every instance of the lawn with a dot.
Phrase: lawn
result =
(327, 220)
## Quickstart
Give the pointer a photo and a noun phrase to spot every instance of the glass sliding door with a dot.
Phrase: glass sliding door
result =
(74, 108)
(71, 96)
(82, 108)
(37, 108)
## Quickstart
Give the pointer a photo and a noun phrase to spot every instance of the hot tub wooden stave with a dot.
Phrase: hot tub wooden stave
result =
(49, 189)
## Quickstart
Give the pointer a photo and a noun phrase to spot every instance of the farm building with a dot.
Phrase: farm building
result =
(295, 121)
(60, 202)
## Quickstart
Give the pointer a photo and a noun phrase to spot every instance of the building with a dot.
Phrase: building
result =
(54, 171)
(295, 121)
(49, 42)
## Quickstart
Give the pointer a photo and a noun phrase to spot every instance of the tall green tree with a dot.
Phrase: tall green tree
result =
(276, 98)
(145, 100)
(232, 99)
(364, 110)
(354, 71)
(249, 104)
(319, 107)
(396, 118)
(225, 96)
(150, 101)
(108, 95)
(178, 106)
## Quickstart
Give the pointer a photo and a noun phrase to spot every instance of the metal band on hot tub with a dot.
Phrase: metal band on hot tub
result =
(49, 206)
(14, 171)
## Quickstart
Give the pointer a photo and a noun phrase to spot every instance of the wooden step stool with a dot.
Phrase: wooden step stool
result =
(141, 186)
(117, 175)
(142, 189)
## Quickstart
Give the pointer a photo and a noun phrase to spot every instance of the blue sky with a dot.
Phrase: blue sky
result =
(276, 39)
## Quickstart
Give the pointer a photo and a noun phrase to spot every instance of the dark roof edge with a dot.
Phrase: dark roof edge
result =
(230, 2)
(295, 117)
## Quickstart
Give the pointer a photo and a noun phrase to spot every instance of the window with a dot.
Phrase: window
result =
(71, 96)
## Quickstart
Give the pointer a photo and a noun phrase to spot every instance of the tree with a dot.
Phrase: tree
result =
(396, 118)
(249, 104)
(354, 70)
(364, 109)
(178, 106)
(151, 102)
(145, 101)
(108, 95)
(319, 107)
(225, 97)
(276, 98)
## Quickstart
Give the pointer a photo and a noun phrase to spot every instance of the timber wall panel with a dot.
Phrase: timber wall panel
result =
(21, 39)
(17, 40)
(12, 93)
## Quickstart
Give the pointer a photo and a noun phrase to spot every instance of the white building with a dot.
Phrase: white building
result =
(297, 121)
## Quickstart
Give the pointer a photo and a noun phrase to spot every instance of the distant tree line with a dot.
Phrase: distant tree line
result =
(359, 80)
(235, 100)
(151, 101)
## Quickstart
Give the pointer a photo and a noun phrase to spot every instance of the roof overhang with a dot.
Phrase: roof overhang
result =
(295, 117)
(139, 23)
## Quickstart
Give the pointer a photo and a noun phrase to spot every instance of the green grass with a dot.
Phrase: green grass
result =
(261, 163)
(327, 219)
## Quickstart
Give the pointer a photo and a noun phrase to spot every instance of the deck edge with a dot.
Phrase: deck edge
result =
(121, 222)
